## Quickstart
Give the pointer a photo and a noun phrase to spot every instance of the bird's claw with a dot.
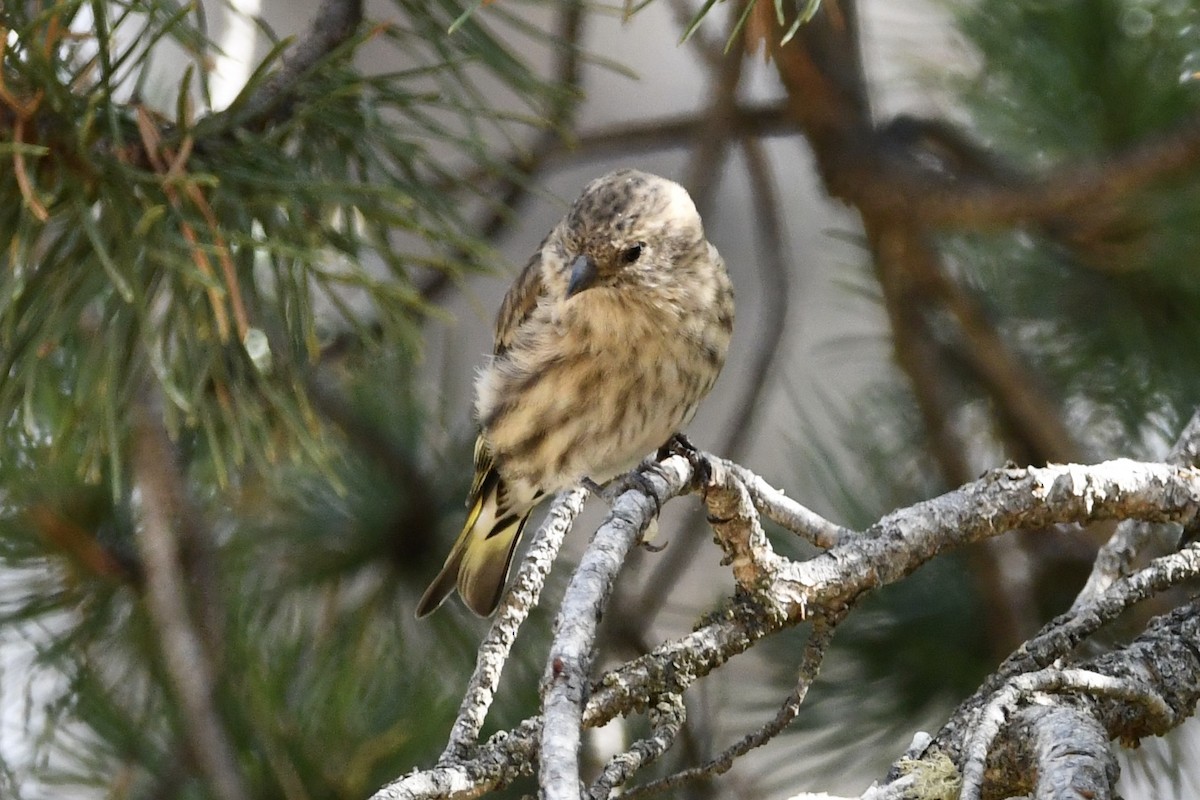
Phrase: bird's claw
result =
(679, 445)
(633, 479)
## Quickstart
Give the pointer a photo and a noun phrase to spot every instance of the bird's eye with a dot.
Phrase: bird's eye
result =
(631, 254)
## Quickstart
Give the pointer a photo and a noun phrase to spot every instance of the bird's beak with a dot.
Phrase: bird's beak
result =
(583, 275)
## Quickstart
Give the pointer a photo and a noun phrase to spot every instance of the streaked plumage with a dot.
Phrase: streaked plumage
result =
(605, 346)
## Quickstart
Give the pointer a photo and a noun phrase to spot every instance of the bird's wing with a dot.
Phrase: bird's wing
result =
(521, 300)
(483, 465)
(481, 556)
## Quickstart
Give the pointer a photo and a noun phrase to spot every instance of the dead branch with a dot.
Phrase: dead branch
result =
(773, 592)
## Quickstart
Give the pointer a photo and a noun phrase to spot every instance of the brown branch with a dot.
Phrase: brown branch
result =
(673, 131)
(1034, 416)
(939, 200)
(917, 354)
(188, 664)
(861, 163)
(335, 22)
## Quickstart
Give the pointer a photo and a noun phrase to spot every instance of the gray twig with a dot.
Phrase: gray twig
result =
(566, 682)
(810, 664)
(666, 720)
(788, 513)
(515, 606)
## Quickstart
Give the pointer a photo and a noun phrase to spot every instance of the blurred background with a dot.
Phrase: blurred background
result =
(257, 306)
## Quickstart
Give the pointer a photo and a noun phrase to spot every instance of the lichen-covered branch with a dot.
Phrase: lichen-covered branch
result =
(572, 650)
(773, 592)
(1131, 537)
(514, 608)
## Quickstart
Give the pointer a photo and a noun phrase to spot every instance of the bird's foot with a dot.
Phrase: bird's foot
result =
(679, 445)
(634, 479)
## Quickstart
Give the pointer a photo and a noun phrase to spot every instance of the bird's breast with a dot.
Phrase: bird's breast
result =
(593, 388)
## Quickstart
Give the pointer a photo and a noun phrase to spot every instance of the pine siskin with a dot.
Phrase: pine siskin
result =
(605, 346)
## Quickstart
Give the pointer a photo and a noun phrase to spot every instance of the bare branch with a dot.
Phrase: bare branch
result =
(666, 720)
(810, 664)
(778, 593)
(515, 606)
(788, 513)
(572, 649)
(1118, 554)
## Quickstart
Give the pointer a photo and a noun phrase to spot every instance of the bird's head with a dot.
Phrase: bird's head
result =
(626, 229)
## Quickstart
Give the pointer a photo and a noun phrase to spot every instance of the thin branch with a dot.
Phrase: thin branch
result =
(1010, 383)
(1059, 638)
(666, 132)
(810, 664)
(1119, 552)
(666, 720)
(788, 513)
(515, 606)
(904, 258)
(572, 649)
(894, 246)
(711, 144)
(189, 667)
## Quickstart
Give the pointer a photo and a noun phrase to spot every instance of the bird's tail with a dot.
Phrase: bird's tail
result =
(479, 561)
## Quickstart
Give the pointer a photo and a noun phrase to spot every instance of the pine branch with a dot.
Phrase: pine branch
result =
(810, 665)
(572, 648)
(335, 22)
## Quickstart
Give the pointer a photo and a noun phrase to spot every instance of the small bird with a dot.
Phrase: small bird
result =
(605, 345)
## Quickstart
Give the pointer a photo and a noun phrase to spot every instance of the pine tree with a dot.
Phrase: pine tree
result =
(221, 481)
